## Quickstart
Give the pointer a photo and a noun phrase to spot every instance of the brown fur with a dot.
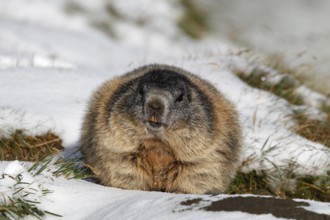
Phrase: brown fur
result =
(158, 163)
(186, 158)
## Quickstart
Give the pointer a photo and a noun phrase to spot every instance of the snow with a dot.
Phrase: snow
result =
(51, 61)
(24, 187)
(76, 199)
(323, 208)
(296, 32)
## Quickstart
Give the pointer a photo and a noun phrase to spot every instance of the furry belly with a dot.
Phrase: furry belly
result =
(158, 164)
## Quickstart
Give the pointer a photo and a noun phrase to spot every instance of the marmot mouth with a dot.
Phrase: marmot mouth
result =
(155, 124)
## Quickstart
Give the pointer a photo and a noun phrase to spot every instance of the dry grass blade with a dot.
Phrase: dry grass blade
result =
(313, 129)
(20, 146)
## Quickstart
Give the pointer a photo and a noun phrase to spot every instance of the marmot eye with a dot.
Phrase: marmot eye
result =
(179, 98)
(141, 91)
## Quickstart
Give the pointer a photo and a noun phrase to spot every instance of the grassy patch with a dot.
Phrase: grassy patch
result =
(312, 187)
(316, 130)
(21, 208)
(193, 22)
(72, 8)
(105, 27)
(306, 187)
(20, 146)
(284, 89)
(250, 183)
(45, 151)
(313, 129)
(69, 168)
(111, 10)
(16, 202)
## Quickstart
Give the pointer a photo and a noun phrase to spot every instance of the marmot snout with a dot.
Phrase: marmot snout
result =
(162, 101)
(161, 128)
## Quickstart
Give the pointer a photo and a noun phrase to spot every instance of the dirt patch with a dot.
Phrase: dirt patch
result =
(281, 208)
(191, 202)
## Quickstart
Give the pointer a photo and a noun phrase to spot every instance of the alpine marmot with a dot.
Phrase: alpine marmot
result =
(161, 128)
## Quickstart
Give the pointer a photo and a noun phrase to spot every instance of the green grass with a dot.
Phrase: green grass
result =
(312, 187)
(72, 8)
(284, 89)
(306, 187)
(45, 151)
(193, 23)
(313, 129)
(316, 130)
(105, 27)
(18, 206)
(250, 183)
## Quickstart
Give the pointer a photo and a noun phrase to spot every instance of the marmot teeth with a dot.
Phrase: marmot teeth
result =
(162, 128)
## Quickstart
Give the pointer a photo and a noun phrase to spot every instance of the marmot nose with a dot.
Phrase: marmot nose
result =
(155, 108)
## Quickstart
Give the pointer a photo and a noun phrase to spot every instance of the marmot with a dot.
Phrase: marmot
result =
(161, 128)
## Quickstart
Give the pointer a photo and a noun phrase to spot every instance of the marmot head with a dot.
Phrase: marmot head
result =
(162, 100)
